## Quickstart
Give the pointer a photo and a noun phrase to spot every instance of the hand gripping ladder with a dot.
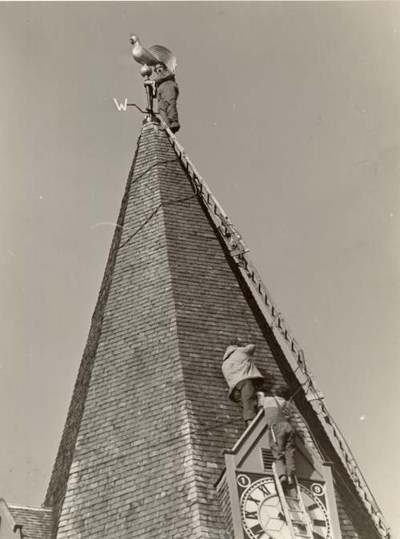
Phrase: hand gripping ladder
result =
(294, 511)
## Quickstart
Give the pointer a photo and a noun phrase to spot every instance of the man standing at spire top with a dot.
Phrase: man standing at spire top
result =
(167, 92)
(164, 87)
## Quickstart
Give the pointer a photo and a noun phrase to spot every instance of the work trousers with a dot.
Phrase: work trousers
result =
(169, 113)
(283, 445)
(245, 394)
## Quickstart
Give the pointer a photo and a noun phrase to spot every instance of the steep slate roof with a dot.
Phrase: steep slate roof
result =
(36, 522)
(149, 417)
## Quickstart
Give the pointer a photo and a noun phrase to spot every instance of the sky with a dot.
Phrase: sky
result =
(290, 111)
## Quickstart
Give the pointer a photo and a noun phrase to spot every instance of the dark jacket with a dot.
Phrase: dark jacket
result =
(166, 87)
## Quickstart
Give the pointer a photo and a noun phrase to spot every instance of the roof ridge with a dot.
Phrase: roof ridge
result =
(32, 507)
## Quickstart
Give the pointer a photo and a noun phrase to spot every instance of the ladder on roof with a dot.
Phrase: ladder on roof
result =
(294, 511)
(231, 236)
(238, 250)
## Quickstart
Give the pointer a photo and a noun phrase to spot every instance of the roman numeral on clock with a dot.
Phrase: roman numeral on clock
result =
(251, 514)
(251, 499)
(257, 530)
(264, 489)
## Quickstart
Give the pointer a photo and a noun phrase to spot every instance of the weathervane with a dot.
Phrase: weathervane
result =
(163, 86)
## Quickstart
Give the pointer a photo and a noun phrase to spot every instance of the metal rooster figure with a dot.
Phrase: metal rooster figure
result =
(163, 86)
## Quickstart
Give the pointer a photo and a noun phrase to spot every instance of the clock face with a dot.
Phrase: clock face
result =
(262, 514)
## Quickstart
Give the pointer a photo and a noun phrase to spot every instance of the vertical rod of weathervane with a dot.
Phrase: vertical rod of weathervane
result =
(149, 94)
(146, 72)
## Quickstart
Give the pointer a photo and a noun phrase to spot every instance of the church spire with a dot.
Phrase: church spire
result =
(150, 421)
(149, 418)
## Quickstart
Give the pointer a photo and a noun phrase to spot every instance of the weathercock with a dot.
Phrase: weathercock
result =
(157, 54)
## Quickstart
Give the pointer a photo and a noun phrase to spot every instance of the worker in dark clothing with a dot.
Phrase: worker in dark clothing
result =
(242, 377)
(281, 434)
(167, 92)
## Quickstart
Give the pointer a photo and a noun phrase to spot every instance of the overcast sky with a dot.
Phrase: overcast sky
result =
(290, 111)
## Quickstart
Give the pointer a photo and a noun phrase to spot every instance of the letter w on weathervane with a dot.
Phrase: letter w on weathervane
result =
(121, 106)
